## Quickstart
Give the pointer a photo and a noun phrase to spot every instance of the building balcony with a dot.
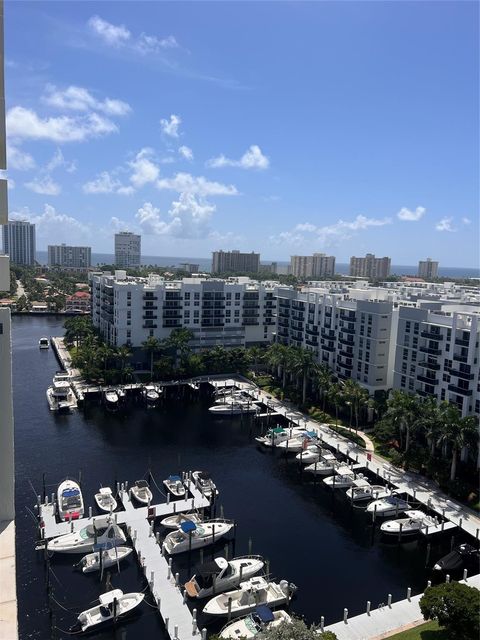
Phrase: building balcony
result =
(327, 348)
(425, 394)
(429, 365)
(347, 317)
(348, 343)
(298, 307)
(312, 342)
(459, 358)
(461, 374)
(462, 343)
(283, 323)
(460, 390)
(430, 351)
(283, 314)
(146, 317)
(427, 380)
(347, 330)
(329, 334)
(312, 332)
(344, 365)
(345, 354)
(153, 308)
(150, 326)
(251, 305)
(249, 322)
(171, 315)
(145, 297)
(431, 335)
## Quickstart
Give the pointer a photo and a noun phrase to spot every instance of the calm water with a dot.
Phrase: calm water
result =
(311, 536)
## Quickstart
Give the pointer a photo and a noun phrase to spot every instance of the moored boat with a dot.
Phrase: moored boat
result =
(367, 491)
(175, 485)
(44, 343)
(234, 407)
(278, 434)
(174, 521)
(389, 506)
(342, 478)
(205, 484)
(105, 500)
(111, 606)
(111, 399)
(412, 524)
(221, 575)
(60, 396)
(99, 534)
(259, 620)
(151, 395)
(103, 559)
(141, 492)
(322, 467)
(298, 442)
(463, 556)
(69, 500)
(192, 536)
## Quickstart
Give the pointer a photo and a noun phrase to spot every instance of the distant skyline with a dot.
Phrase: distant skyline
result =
(283, 128)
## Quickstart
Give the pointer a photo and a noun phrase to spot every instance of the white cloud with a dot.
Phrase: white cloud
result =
(146, 44)
(44, 185)
(19, 159)
(408, 215)
(80, 99)
(111, 34)
(445, 224)
(466, 221)
(253, 158)
(189, 217)
(185, 152)
(197, 185)
(51, 224)
(26, 124)
(144, 168)
(106, 183)
(170, 126)
(58, 160)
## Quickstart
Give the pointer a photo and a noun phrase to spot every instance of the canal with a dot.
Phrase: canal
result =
(310, 535)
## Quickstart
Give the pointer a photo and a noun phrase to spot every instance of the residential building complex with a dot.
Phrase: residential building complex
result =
(19, 242)
(128, 250)
(189, 267)
(79, 302)
(62, 255)
(428, 269)
(232, 312)
(370, 267)
(235, 261)
(317, 266)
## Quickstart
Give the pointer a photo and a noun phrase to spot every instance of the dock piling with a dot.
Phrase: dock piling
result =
(389, 600)
(369, 604)
(194, 622)
(447, 578)
(409, 594)
(166, 621)
(345, 615)
(177, 578)
(89, 513)
(175, 632)
(204, 634)
(465, 574)
(169, 573)
(429, 584)
(322, 623)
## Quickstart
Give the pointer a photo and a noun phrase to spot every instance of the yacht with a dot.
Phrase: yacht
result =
(366, 491)
(111, 399)
(234, 407)
(174, 521)
(389, 506)
(298, 442)
(248, 596)
(111, 606)
(109, 558)
(192, 536)
(141, 492)
(69, 500)
(410, 525)
(205, 484)
(151, 395)
(221, 575)
(259, 620)
(99, 534)
(60, 396)
(175, 485)
(44, 343)
(342, 479)
(463, 556)
(105, 500)
(322, 467)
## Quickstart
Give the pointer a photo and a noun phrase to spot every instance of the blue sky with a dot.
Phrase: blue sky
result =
(342, 127)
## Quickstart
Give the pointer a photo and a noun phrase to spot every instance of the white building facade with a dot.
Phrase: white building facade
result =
(128, 250)
(19, 242)
(62, 255)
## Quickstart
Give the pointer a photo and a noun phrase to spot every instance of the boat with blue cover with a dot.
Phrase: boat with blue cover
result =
(69, 500)
(175, 485)
(192, 536)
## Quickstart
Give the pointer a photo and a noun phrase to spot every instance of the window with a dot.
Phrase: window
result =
(237, 296)
(187, 295)
(403, 381)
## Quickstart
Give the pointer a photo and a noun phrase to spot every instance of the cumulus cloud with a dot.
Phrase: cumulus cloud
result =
(118, 36)
(75, 98)
(25, 124)
(144, 168)
(197, 185)
(111, 34)
(188, 217)
(253, 158)
(407, 215)
(44, 185)
(52, 224)
(185, 152)
(58, 160)
(19, 159)
(445, 224)
(466, 221)
(105, 182)
(170, 126)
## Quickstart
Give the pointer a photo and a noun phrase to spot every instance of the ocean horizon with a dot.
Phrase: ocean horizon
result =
(205, 265)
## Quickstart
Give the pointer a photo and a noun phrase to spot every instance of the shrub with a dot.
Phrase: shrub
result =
(455, 606)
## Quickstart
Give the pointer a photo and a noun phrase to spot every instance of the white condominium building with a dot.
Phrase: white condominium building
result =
(317, 266)
(233, 312)
(62, 255)
(438, 354)
(428, 269)
(19, 242)
(370, 267)
(128, 250)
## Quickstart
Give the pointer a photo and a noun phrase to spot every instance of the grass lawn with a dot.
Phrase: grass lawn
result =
(428, 631)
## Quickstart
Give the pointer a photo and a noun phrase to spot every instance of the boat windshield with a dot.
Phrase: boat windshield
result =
(71, 499)
(89, 532)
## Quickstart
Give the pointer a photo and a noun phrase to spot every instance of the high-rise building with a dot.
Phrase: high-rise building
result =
(19, 242)
(317, 266)
(428, 269)
(62, 255)
(128, 250)
(370, 267)
(189, 267)
(235, 261)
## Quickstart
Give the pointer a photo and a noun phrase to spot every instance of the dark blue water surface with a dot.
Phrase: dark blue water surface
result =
(310, 535)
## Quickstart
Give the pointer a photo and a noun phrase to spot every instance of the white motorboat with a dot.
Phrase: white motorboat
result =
(99, 534)
(111, 399)
(44, 343)
(410, 525)
(111, 606)
(322, 467)
(151, 395)
(234, 407)
(105, 500)
(366, 491)
(205, 484)
(259, 620)
(60, 396)
(141, 492)
(221, 575)
(225, 391)
(248, 596)
(103, 559)
(69, 500)
(389, 506)
(174, 522)
(278, 434)
(342, 478)
(175, 485)
(234, 395)
(192, 536)
(298, 442)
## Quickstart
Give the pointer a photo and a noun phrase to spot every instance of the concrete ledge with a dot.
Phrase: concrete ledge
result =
(8, 591)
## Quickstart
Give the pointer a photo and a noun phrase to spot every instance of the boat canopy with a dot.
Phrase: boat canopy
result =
(204, 475)
(264, 614)
(277, 430)
(141, 483)
(310, 434)
(188, 526)
(70, 493)
(211, 568)
(174, 478)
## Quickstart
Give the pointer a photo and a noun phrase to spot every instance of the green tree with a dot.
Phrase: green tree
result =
(256, 355)
(323, 381)
(335, 396)
(122, 354)
(151, 346)
(356, 397)
(178, 341)
(455, 606)
(278, 357)
(304, 366)
(404, 414)
(457, 432)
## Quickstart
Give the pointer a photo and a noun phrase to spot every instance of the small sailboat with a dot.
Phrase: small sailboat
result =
(463, 556)
(175, 485)
(389, 506)
(103, 559)
(192, 536)
(44, 343)
(111, 606)
(248, 596)
(111, 399)
(141, 492)
(412, 524)
(259, 620)
(205, 484)
(100, 534)
(105, 500)
(221, 575)
(174, 521)
(151, 395)
(70, 500)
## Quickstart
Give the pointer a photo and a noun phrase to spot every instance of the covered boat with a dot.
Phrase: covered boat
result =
(175, 485)
(191, 536)
(278, 434)
(389, 506)
(99, 534)
(103, 559)
(221, 575)
(111, 399)
(205, 483)
(260, 619)
(412, 524)
(44, 343)
(299, 442)
(69, 500)
(174, 521)
(141, 492)
(112, 606)
(105, 500)
(463, 556)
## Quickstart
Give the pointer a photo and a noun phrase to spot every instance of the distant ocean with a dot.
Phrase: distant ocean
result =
(206, 263)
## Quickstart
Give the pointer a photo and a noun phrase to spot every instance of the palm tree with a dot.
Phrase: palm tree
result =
(430, 422)
(324, 382)
(404, 413)
(122, 354)
(335, 395)
(356, 397)
(178, 340)
(458, 432)
(151, 345)
(256, 355)
(304, 366)
(279, 356)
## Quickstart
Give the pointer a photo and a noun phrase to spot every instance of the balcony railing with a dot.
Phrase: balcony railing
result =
(459, 358)
(150, 326)
(432, 352)
(462, 343)
(431, 335)
(460, 390)
(461, 374)
(348, 343)
(327, 348)
(427, 380)
(429, 365)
